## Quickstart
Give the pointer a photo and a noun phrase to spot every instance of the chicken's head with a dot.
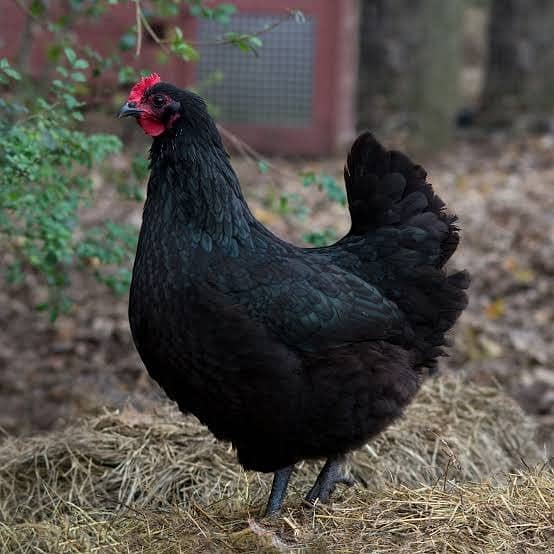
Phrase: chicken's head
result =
(154, 105)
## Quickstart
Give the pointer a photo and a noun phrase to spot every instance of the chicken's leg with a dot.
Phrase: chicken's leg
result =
(330, 475)
(278, 490)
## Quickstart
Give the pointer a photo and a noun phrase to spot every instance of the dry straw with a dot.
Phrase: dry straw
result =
(452, 476)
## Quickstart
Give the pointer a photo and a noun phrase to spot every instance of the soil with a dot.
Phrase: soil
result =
(502, 189)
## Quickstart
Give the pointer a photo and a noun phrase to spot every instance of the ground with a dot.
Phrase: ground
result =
(501, 188)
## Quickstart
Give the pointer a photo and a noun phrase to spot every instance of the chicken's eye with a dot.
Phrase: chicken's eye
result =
(158, 101)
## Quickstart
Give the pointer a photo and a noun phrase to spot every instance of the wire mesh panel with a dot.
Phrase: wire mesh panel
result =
(274, 88)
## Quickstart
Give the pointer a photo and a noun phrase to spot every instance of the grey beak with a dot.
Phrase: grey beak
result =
(129, 109)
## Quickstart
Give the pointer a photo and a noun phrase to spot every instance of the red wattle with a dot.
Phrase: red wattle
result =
(151, 126)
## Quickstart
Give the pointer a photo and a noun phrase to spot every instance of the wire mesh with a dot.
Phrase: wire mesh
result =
(274, 88)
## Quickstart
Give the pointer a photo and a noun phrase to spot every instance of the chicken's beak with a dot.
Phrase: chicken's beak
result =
(129, 109)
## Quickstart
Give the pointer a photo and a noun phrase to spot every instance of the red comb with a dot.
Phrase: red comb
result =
(142, 86)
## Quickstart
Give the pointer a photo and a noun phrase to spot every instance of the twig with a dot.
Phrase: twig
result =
(150, 31)
(248, 152)
(139, 27)
(259, 32)
(30, 117)
(218, 42)
(24, 7)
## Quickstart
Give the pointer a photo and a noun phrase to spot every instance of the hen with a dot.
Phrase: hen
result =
(289, 353)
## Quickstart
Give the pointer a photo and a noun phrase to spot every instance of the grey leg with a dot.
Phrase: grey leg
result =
(278, 491)
(330, 475)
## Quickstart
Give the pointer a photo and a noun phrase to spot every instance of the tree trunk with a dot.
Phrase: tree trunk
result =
(520, 68)
(410, 61)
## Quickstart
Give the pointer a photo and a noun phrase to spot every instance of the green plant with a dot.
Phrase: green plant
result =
(44, 178)
(321, 238)
(325, 183)
(328, 185)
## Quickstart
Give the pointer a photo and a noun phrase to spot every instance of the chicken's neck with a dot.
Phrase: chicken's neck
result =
(192, 185)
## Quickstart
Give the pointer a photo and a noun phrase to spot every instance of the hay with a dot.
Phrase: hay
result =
(516, 516)
(131, 482)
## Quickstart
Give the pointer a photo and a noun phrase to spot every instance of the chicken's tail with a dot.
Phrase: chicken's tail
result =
(386, 188)
(408, 229)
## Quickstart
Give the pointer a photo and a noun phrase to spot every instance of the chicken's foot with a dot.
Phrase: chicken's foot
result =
(331, 474)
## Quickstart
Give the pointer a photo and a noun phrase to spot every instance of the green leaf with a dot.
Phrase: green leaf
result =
(128, 41)
(185, 51)
(325, 183)
(80, 64)
(70, 55)
(245, 42)
(70, 101)
(321, 238)
(37, 8)
(78, 77)
(223, 12)
(8, 70)
(255, 42)
(53, 52)
(126, 75)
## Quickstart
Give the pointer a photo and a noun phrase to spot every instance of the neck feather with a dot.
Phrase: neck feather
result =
(194, 185)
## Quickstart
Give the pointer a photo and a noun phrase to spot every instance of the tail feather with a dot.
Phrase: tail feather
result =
(386, 188)
(450, 298)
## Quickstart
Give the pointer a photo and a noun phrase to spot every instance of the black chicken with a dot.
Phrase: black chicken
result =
(289, 353)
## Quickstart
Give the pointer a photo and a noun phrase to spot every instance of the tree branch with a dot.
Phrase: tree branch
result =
(253, 155)
(218, 42)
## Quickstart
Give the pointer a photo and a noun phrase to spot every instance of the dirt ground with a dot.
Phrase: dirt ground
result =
(503, 191)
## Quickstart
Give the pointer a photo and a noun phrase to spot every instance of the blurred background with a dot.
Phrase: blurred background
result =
(465, 86)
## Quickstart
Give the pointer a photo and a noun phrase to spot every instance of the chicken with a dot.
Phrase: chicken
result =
(289, 353)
